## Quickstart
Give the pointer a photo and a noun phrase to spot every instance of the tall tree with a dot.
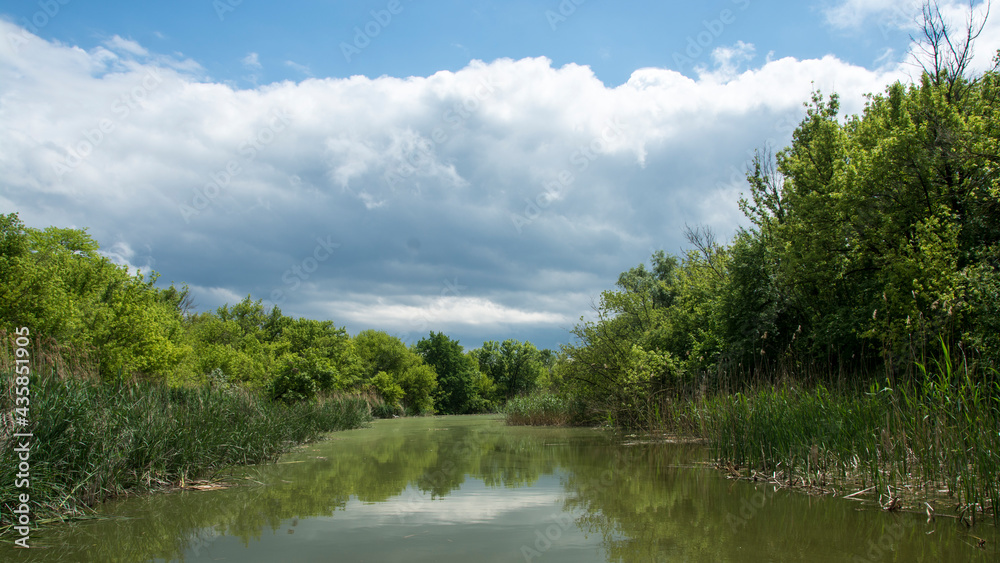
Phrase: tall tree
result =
(457, 375)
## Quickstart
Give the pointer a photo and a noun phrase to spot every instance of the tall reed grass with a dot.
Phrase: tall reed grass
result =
(94, 440)
(937, 432)
(542, 409)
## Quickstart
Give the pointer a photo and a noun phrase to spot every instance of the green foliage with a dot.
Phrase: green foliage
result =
(56, 283)
(299, 377)
(379, 352)
(457, 375)
(539, 409)
(160, 435)
(940, 431)
(873, 237)
(884, 216)
(514, 367)
(388, 388)
(419, 382)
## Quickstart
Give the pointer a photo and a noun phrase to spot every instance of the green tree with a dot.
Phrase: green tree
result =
(419, 383)
(880, 226)
(55, 282)
(514, 367)
(379, 351)
(457, 375)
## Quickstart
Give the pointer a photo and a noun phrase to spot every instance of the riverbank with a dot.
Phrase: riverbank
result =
(920, 446)
(907, 443)
(90, 440)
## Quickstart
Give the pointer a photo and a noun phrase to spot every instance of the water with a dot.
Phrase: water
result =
(471, 489)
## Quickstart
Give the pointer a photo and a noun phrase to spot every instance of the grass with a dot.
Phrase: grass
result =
(539, 409)
(938, 434)
(930, 437)
(93, 441)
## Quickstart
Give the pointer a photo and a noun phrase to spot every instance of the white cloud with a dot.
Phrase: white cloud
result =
(439, 311)
(304, 69)
(128, 46)
(906, 16)
(251, 61)
(853, 13)
(534, 185)
(120, 253)
(477, 504)
(728, 60)
(214, 295)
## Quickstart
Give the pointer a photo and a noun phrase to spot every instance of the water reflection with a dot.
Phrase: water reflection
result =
(468, 488)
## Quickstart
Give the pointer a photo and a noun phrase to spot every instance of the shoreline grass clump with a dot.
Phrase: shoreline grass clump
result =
(539, 409)
(925, 438)
(95, 440)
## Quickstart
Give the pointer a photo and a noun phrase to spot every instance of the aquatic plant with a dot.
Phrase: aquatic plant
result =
(93, 440)
(938, 432)
(541, 409)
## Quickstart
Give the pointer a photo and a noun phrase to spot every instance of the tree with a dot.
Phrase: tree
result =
(325, 342)
(55, 282)
(419, 383)
(457, 375)
(882, 230)
(514, 367)
(945, 58)
(380, 352)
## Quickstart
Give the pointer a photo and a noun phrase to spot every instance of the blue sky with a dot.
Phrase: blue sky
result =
(481, 168)
(302, 39)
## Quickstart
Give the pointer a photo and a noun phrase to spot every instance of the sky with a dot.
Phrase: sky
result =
(480, 168)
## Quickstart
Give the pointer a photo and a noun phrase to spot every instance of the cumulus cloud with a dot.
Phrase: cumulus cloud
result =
(729, 60)
(496, 200)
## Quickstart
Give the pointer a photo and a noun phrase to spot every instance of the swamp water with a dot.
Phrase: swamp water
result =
(471, 489)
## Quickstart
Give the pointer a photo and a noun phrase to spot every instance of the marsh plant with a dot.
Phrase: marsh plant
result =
(94, 440)
(934, 435)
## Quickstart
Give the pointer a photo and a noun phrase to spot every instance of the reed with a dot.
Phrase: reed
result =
(539, 409)
(937, 432)
(95, 440)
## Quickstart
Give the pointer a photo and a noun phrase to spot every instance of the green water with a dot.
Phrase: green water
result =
(471, 489)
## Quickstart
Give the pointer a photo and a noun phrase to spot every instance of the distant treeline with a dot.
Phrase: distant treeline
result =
(110, 323)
